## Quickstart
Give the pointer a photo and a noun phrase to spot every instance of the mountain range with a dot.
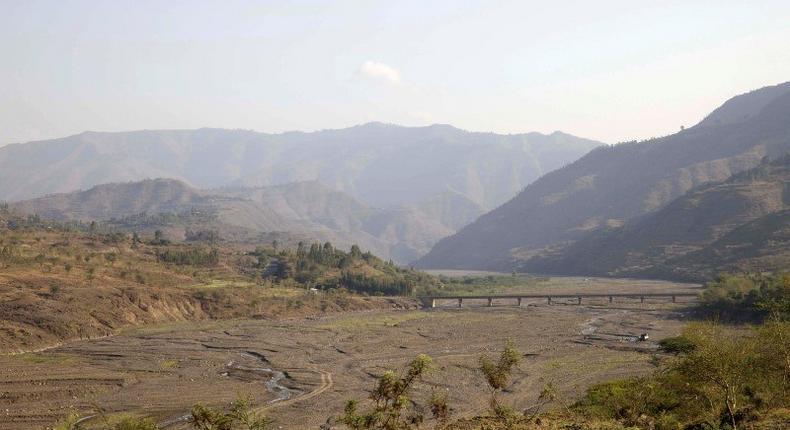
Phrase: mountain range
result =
(713, 197)
(380, 165)
(394, 189)
(296, 211)
(613, 210)
(740, 224)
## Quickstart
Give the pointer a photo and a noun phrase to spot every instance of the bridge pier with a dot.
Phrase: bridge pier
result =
(490, 302)
(519, 302)
(433, 303)
(580, 301)
(549, 299)
(610, 299)
(460, 302)
(642, 299)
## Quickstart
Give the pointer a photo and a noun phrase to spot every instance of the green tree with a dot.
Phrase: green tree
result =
(723, 366)
(498, 375)
(239, 417)
(393, 408)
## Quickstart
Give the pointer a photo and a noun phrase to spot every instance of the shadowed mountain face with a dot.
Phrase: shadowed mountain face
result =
(740, 224)
(303, 210)
(379, 165)
(611, 186)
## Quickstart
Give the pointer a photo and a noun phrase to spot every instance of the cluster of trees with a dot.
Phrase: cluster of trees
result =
(146, 220)
(190, 256)
(325, 267)
(210, 236)
(360, 283)
(734, 297)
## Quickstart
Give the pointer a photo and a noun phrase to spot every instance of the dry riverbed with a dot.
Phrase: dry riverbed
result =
(302, 371)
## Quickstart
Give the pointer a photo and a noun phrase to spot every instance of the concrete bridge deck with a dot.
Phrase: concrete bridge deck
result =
(431, 300)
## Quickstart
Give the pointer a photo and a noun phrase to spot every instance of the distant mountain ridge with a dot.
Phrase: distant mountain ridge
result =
(611, 186)
(307, 210)
(378, 164)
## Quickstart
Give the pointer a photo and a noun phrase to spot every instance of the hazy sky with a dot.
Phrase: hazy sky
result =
(601, 69)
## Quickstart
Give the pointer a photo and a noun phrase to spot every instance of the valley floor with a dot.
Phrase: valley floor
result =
(302, 371)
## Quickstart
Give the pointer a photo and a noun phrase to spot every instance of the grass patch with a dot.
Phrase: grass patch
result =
(169, 364)
(224, 283)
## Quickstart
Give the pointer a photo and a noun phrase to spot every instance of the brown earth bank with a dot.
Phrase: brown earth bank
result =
(302, 370)
(74, 281)
(40, 311)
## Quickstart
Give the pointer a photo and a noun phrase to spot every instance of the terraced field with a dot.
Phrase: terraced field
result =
(302, 371)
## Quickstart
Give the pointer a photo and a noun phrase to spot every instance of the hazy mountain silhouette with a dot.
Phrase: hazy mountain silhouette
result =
(307, 210)
(613, 185)
(378, 164)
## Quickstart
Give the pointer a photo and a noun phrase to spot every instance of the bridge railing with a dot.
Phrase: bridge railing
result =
(430, 301)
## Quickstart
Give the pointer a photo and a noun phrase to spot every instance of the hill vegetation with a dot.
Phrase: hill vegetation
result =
(294, 212)
(740, 224)
(78, 280)
(615, 185)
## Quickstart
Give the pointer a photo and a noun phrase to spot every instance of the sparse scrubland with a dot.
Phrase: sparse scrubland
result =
(712, 376)
(64, 281)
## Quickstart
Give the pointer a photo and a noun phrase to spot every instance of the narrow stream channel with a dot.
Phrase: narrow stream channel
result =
(271, 378)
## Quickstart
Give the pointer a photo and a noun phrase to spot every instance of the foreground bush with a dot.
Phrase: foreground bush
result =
(721, 378)
(240, 416)
(743, 297)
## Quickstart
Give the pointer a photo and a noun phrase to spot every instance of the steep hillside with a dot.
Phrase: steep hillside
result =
(729, 225)
(612, 185)
(378, 164)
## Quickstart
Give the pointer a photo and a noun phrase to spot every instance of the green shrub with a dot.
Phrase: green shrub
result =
(676, 345)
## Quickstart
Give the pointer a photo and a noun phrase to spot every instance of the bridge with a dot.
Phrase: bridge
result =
(518, 298)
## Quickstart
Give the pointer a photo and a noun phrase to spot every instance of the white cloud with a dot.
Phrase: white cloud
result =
(380, 72)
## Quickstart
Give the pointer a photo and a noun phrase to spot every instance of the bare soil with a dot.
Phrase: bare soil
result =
(302, 371)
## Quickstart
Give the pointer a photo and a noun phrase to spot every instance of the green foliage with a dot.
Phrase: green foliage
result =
(498, 375)
(376, 286)
(440, 407)
(676, 345)
(68, 423)
(392, 408)
(159, 239)
(324, 267)
(190, 256)
(133, 423)
(210, 236)
(747, 296)
(726, 379)
(239, 417)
